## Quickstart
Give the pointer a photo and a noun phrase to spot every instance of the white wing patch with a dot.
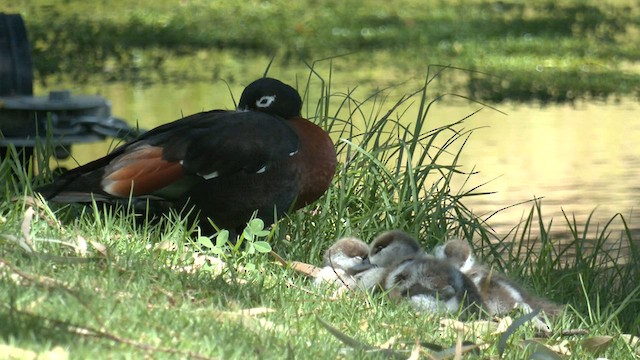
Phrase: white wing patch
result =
(468, 264)
(513, 292)
(215, 174)
(211, 175)
(265, 101)
(208, 176)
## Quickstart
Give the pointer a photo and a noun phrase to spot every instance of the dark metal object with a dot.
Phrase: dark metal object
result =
(60, 119)
(16, 75)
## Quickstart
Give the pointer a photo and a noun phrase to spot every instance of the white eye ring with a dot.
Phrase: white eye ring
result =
(265, 101)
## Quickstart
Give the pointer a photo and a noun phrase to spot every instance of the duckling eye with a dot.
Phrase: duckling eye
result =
(377, 249)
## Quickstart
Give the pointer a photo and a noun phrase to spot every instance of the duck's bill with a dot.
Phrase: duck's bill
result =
(363, 266)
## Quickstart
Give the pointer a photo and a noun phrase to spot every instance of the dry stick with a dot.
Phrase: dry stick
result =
(415, 352)
(26, 226)
(88, 332)
(344, 283)
(47, 257)
(44, 281)
(300, 267)
(39, 203)
(458, 352)
(292, 285)
(50, 284)
(278, 258)
(26, 243)
(568, 332)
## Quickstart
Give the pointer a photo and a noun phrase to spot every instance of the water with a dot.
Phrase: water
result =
(578, 158)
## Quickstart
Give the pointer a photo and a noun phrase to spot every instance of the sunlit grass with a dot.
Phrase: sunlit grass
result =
(99, 284)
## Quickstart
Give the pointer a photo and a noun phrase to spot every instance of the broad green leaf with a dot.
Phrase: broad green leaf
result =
(541, 351)
(250, 249)
(452, 352)
(502, 342)
(346, 339)
(262, 233)
(222, 238)
(597, 344)
(205, 241)
(247, 234)
(256, 225)
(262, 247)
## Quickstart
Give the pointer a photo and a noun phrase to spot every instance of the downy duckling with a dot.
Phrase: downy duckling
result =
(339, 258)
(500, 294)
(392, 247)
(433, 285)
(386, 251)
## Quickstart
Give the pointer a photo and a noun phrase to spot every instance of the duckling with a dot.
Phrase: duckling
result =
(386, 251)
(458, 253)
(339, 258)
(346, 253)
(501, 295)
(392, 247)
(433, 285)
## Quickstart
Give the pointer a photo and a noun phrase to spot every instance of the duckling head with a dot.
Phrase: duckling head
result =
(392, 247)
(432, 285)
(458, 253)
(346, 253)
(387, 249)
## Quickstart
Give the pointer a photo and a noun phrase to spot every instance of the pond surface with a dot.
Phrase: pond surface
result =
(577, 158)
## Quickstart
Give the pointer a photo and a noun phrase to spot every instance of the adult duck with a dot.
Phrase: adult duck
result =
(263, 157)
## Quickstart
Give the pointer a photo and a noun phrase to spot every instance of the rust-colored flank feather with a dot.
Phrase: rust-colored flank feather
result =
(144, 169)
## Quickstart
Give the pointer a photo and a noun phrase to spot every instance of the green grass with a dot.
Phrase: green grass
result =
(148, 294)
(586, 48)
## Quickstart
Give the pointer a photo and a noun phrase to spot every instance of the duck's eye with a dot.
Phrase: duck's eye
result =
(378, 249)
(265, 101)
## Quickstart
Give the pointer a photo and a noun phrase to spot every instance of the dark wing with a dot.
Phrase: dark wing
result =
(199, 147)
(236, 141)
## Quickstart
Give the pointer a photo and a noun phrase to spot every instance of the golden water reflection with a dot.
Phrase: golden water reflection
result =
(578, 158)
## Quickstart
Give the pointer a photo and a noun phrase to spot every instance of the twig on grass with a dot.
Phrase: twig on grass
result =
(49, 284)
(104, 335)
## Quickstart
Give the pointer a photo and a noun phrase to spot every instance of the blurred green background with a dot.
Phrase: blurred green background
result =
(533, 50)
